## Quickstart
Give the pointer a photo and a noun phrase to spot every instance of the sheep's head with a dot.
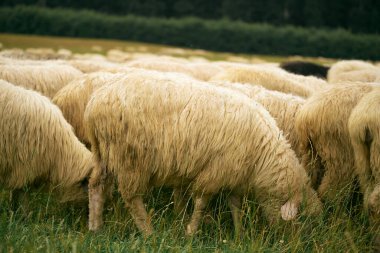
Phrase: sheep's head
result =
(308, 199)
(374, 205)
(76, 193)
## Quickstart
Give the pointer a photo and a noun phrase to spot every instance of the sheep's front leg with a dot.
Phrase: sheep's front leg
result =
(97, 185)
(139, 215)
(199, 206)
(234, 202)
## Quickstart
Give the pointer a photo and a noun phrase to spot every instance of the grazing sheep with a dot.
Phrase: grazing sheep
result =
(204, 70)
(339, 72)
(361, 75)
(155, 130)
(38, 145)
(44, 78)
(282, 107)
(271, 78)
(73, 98)
(162, 66)
(364, 128)
(88, 66)
(200, 71)
(305, 68)
(321, 125)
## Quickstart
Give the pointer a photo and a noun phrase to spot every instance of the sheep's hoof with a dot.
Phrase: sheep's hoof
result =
(94, 227)
(189, 231)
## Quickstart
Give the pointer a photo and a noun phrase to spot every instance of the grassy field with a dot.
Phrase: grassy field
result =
(47, 226)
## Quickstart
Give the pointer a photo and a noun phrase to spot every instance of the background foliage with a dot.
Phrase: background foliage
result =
(356, 16)
(220, 35)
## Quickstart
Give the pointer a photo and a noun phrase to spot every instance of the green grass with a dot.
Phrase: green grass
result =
(52, 227)
(83, 45)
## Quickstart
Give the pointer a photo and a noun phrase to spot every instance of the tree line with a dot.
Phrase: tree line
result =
(357, 16)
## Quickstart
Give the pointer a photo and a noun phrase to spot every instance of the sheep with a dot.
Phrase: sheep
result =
(340, 69)
(364, 129)
(361, 75)
(162, 66)
(271, 78)
(156, 130)
(305, 68)
(204, 71)
(46, 79)
(88, 66)
(282, 107)
(321, 126)
(200, 71)
(73, 98)
(38, 145)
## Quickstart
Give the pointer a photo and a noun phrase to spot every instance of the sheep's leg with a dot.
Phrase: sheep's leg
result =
(333, 184)
(180, 201)
(199, 206)
(139, 215)
(19, 200)
(234, 203)
(97, 186)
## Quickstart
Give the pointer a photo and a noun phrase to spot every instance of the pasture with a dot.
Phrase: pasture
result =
(44, 225)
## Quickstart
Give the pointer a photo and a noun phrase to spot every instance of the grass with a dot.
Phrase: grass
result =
(52, 227)
(81, 45)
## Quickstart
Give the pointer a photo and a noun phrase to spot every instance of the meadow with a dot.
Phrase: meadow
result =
(43, 225)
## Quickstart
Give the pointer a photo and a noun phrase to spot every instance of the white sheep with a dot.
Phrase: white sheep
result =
(38, 145)
(88, 66)
(321, 126)
(352, 71)
(364, 128)
(282, 107)
(154, 130)
(44, 78)
(73, 98)
(272, 78)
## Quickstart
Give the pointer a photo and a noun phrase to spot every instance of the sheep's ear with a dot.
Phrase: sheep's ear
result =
(289, 211)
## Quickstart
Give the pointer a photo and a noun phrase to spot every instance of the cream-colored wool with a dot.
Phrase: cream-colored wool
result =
(162, 66)
(73, 98)
(200, 71)
(283, 107)
(204, 70)
(364, 128)
(361, 75)
(38, 145)
(321, 126)
(270, 78)
(46, 79)
(88, 66)
(155, 130)
(339, 72)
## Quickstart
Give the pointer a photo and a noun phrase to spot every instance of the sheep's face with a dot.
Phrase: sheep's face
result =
(374, 205)
(76, 193)
(310, 202)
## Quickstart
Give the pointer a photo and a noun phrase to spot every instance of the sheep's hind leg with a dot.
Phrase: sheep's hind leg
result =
(234, 202)
(97, 185)
(199, 206)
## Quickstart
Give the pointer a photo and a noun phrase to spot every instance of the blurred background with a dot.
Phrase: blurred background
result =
(318, 28)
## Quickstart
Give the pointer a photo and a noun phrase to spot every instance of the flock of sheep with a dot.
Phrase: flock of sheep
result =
(289, 141)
